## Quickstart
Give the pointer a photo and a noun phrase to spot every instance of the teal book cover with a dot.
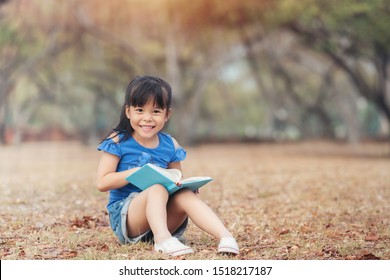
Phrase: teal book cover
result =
(149, 175)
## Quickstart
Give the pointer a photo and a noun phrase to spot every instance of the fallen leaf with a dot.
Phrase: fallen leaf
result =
(331, 251)
(22, 253)
(104, 248)
(68, 254)
(284, 231)
(369, 256)
(371, 237)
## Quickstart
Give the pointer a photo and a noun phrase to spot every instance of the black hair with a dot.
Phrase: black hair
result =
(139, 91)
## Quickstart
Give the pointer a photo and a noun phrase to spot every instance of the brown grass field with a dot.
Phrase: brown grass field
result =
(301, 201)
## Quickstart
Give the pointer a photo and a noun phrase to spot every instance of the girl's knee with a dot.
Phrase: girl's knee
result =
(183, 196)
(158, 190)
(183, 193)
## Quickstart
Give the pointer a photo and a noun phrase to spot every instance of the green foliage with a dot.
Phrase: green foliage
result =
(361, 24)
(7, 34)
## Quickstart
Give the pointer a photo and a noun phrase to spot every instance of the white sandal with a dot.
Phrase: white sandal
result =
(228, 245)
(172, 247)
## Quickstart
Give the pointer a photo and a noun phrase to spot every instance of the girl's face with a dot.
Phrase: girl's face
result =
(147, 121)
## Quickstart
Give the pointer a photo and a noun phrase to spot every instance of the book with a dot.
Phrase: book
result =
(149, 175)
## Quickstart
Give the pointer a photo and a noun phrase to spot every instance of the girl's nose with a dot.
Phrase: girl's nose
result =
(148, 116)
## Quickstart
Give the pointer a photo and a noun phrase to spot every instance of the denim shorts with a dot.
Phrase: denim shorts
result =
(117, 212)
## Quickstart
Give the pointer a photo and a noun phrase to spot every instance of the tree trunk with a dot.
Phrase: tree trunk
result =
(5, 92)
(256, 71)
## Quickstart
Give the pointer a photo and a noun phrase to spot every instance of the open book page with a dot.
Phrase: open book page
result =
(173, 174)
(195, 179)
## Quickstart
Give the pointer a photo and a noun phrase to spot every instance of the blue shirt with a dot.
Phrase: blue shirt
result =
(131, 154)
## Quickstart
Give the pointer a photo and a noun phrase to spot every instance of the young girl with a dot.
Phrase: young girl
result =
(151, 214)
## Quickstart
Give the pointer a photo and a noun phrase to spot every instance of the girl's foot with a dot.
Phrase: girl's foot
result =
(228, 245)
(172, 247)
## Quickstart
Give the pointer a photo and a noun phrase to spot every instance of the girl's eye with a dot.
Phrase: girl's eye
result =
(157, 111)
(138, 110)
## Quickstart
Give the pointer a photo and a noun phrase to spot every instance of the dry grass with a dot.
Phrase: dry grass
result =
(295, 201)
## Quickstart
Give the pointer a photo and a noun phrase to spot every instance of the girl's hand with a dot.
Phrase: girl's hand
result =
(178, 184)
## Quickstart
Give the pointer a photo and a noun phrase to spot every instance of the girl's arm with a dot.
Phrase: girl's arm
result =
(177, 164)
(107, 177)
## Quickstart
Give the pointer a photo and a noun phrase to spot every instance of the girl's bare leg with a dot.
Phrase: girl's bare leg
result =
(186, 202)
(148, 211)
(151, 209)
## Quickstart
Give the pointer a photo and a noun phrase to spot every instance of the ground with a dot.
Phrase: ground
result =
(300, 201)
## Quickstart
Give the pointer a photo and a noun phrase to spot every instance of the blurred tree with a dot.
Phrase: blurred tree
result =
(354, 35)
(156, 39)
(78, 57)
(314, 107)
(257, 22)
(237, 24)
(24, 51)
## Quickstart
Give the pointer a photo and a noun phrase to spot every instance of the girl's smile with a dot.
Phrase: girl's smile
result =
(147, 127)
